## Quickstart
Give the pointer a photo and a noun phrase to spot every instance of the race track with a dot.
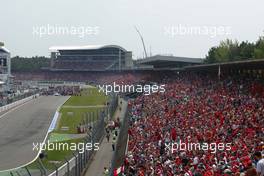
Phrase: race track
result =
(22, 126)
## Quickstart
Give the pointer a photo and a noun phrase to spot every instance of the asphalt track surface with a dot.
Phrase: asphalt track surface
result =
(23, 126)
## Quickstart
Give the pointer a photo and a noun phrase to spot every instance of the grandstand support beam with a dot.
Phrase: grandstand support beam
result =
(119, 59)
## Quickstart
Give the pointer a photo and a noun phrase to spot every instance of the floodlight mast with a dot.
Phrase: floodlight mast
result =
(143, 43)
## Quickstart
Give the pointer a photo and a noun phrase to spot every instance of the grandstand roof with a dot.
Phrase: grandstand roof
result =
(85, 47)
(159, 61)
(4, 50)
(244, 64)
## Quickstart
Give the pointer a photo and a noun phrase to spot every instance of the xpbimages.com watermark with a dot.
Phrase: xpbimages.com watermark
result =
(60, 30)
(184, 30)
(210, 147)
(63, 146)
(120, 88)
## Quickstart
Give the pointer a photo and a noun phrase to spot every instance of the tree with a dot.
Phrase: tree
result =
(230, 50)
(29, 64)
(246, 50)
(210, 58)
(259, 49)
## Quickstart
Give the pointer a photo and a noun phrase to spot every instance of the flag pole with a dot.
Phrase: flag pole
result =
(219, 72)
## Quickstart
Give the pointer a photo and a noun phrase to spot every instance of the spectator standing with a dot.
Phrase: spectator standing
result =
(260, 164)
(113, 142)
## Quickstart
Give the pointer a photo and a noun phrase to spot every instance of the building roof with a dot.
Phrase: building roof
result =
(4, 50)
(160, 61)
(243, 64)
(161, 58)
(85, 47)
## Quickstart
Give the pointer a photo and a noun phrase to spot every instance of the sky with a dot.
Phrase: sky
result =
(186, 28)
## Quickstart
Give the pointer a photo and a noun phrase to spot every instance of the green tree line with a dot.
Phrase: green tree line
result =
(232, 50)
(29, 63)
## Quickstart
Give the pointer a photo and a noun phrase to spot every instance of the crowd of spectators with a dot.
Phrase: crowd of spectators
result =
(197, 109)
(193, 109)
(63, 90)
(89, 77)
(83, 65)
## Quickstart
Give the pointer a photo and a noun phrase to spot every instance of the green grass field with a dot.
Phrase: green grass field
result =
(59, 156)
(72, 115)
(72, 121)
(89, 97)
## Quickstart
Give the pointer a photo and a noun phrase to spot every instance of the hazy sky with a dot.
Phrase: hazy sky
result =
(114, 22)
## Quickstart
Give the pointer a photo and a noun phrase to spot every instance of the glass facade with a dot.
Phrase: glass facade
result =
(105, 58)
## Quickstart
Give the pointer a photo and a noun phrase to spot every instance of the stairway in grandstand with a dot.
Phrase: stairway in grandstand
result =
(114, 65)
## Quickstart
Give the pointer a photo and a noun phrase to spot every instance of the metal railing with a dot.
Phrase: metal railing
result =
(17, 98)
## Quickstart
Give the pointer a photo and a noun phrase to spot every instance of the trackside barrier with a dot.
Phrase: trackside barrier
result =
(17, 103)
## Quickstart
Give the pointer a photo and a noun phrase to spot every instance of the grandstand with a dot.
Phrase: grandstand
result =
(197, 109)
(5, 69)
(90, 58)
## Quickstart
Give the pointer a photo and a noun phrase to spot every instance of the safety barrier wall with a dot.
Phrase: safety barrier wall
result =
(17, 103)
